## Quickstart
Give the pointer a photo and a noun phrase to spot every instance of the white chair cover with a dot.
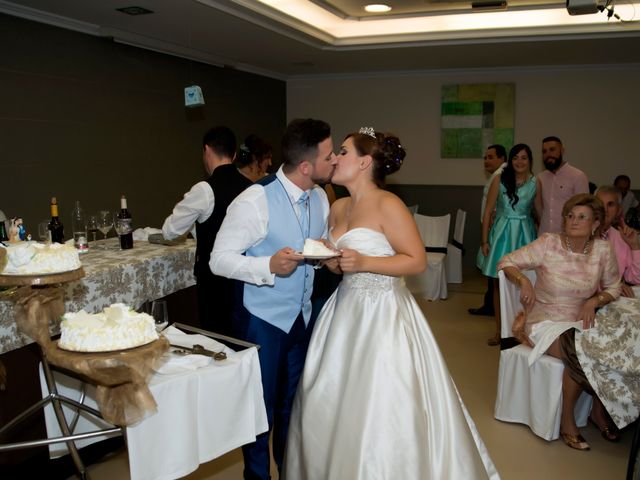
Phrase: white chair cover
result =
(432, 283)
(530, 395)
(454, 252)
(413, 209)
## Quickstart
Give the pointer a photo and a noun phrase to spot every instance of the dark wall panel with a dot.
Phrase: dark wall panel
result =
(84, 118)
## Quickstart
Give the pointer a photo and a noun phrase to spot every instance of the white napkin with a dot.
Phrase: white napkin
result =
(544, 333)
(178, 337)
(143, 233)
(175, 363)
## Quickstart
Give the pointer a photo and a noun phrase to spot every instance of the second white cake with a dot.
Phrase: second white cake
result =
(115, 328)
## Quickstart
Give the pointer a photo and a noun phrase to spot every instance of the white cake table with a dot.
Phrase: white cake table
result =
(201, 415)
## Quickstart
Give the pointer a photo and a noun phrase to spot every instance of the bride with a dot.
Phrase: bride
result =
(376, 400)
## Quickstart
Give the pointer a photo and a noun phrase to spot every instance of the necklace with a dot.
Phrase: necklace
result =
(567, 243)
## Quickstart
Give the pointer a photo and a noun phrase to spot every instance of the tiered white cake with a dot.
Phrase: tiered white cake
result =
(32, 258)
(315, 248)
(115, 328)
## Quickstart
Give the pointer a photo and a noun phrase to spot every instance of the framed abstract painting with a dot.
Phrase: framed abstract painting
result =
(475, 116)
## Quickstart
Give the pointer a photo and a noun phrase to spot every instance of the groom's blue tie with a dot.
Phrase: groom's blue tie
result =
(303, 213)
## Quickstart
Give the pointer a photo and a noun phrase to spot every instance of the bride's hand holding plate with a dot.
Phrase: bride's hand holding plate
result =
(350, 260)
(332, 264)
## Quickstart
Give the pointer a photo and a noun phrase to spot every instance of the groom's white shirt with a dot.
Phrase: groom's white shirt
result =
(245, 225)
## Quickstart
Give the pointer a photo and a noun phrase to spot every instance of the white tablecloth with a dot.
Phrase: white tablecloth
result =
(202, 414)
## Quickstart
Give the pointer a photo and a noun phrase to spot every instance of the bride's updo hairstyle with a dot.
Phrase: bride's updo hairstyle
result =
(385, 150)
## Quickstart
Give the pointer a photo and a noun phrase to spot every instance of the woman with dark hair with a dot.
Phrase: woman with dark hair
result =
(375, 399)
(511, 197)
(576, 274)
(254, 158)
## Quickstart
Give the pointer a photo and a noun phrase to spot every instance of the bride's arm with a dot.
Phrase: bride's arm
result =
(401, 231)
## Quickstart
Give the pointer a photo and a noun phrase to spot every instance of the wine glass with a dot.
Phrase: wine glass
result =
(160, 314)
(92, 225)
(105, 222)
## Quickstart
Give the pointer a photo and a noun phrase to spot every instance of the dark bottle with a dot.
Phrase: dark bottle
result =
(3, 232)
(55, 225)
(124, 225)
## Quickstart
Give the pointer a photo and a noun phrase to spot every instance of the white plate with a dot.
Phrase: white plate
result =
(320, 257)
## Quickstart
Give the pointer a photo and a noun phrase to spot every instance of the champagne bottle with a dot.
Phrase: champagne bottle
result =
(55, 225)
(124, 225)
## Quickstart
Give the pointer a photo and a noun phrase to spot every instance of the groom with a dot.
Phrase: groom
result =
(264, 228)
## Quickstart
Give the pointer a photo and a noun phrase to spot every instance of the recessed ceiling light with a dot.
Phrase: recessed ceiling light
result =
(134, 10)
(377, 8)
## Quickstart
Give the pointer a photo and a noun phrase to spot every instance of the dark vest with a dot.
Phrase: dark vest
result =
(227, 183)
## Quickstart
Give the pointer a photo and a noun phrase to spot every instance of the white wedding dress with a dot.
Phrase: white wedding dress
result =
(376, 400)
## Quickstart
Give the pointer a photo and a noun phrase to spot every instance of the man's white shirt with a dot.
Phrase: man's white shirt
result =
(245, 225)
(196, 205)
(485, 190)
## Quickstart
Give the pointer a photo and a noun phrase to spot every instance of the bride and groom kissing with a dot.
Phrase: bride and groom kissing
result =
(364, 393)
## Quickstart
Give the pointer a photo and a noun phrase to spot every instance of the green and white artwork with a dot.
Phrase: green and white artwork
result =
(475, 116)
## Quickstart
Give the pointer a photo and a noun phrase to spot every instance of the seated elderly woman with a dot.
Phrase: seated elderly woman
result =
(576, 273)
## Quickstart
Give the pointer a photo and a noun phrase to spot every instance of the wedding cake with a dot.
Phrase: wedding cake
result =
(315, 248)
(32, 258)
(115, 328)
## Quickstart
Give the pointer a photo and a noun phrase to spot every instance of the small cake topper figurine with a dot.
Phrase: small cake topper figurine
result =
(22, 233)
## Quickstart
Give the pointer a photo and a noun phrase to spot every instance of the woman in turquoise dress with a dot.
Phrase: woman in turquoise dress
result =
(511, 197)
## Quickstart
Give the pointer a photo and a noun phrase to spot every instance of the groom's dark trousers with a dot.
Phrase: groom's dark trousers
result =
(282, 358)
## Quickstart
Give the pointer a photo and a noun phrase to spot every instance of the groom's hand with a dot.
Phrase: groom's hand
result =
(284, 261)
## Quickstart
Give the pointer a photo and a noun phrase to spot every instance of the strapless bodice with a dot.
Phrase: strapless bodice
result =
(373, 244)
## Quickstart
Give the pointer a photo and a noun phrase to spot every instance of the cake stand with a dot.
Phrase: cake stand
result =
(39, 299)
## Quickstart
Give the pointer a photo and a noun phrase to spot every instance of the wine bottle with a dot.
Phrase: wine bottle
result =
(124, 225)
(3, 232)
(55, 225)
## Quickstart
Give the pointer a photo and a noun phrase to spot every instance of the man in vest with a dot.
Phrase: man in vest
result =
(205, 206)
(258, 243)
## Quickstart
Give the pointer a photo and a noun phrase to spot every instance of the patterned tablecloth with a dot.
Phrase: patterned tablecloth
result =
(146, 272)
(609, 355)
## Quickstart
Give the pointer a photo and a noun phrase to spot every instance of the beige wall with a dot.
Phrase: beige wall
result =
(594, 110)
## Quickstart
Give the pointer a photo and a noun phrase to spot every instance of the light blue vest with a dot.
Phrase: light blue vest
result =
(281, 303)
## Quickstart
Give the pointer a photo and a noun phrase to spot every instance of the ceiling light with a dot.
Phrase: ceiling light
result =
(377, 8)
(134, 10)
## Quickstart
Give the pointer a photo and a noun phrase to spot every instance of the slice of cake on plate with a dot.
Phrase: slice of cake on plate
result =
(315, 248)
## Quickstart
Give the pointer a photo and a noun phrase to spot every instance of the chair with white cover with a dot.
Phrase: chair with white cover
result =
(531, 395)
(455, 249)
(432, 283)
(413, 209)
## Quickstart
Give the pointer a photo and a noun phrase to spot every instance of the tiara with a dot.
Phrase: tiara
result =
(367, 131)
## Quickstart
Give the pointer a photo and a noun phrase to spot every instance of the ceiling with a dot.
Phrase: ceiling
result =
(261, 37)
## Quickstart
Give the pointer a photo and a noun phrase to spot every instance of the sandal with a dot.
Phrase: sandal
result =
(575, 441)
(609, 433)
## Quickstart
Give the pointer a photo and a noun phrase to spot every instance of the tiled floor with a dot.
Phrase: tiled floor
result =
(517, 453)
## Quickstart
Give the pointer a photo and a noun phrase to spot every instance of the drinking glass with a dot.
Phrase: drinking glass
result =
(160, 314)
(44, 234)
(105, 223)
(92, 225)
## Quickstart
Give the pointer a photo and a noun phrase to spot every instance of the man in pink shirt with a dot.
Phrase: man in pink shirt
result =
(624, 240)
(556, 184)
